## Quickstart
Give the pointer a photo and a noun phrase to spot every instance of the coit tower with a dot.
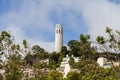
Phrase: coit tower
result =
(58, 38)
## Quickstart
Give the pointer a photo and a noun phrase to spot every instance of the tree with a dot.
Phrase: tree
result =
(12, 68)
(43, 55)
(83, 63)
(25, 44)
(54, 75)
(72, 62)
(111, 44)
(5, 44)
(1, 77)
(85, 48)
(62, 54)
(90, 70)
(37, 49)
(39, 53)
(26, 48)
(54, 58)
(40, 65)
(39, 74)
(72, 44)
(11, 52)
(73, 76)
(82, 48)
(29, 59)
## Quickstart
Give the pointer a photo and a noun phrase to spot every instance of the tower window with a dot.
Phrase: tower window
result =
(59, 30)
(56, 31)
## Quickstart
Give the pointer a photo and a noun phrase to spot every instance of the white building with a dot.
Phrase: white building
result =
(106, 64)
(58, 38)
(2, 71)
(101, 61)
(28, 72)
(65, 66)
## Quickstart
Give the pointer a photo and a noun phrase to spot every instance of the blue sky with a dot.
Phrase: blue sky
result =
(35, 20)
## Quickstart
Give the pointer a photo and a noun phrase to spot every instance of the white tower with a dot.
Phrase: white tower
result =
(58, 38)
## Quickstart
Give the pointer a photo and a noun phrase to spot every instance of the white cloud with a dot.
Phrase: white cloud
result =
(99, 14)
(16, 32)
(48, 46)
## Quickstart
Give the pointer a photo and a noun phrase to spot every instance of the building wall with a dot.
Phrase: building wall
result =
(101, 61)
(65, 66)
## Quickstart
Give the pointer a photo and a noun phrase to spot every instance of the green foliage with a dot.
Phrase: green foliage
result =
(4, 33)
(62, 54)
(83, 63)
(37, 49)
(72, 63)
(39, 53)
(64, 50)
(110, 44)
(54, 75)
(100, 39)
(1, 77)
(54, 59)
(25, 44)
(35, 58)
(82, 48)
(1, 66)
(40, 65)
(18, 47)
(90, 70)
(42, 55)
(29, 59)
(72, 44)
(73, 76)
(109, 55)
(39, 77)
(38, 74)
(54, 56)
(12, 68)
(108, 30)
(84, 39)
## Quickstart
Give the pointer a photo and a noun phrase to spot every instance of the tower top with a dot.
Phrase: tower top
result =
(58, 25)
(58, 29)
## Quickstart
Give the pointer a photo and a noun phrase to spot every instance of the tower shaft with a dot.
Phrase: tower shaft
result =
(58, 38)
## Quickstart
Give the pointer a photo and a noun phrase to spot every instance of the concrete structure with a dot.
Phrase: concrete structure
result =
(65, 66)
(2, 71)
(104, 63)
(101, 61)
(58, 38)
(45, 61)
